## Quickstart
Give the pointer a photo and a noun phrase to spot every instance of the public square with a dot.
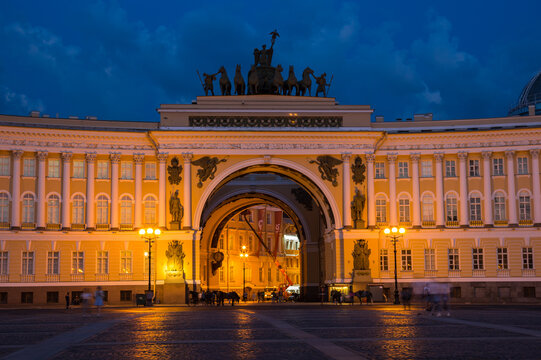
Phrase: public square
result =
(273, 331)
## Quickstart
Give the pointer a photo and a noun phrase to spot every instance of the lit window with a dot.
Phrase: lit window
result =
(126, 168)
(28, 208)
(53, 267)
(103, 170)
(497, 167)
(4, 208)
(53, 209)
(451, 207)
(428, 208)
(4, 166)
(527, 258)
(406, 260)
(78, 169)
(29, 167)
(103, 262)
(383, 260)
(78, 209)
(126, 261)
(4, 267)
(379, 170)
(499, 207)
(522, 165)
(150, 210)
(475, 208)
(403, 169)
(426, 168)
(450, 168)
(474, 168)
(503, 263)
(126, 210)
(381, 210)
(404, 210)
(430, 259)
(150, 171)
(77, 262)
(54, 168)
(103, 210)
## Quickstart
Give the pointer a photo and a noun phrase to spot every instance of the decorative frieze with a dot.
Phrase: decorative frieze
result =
(266, 121)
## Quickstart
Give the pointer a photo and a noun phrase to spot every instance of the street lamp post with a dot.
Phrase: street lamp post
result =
(394, 234)
(149, 235)
(243, 256)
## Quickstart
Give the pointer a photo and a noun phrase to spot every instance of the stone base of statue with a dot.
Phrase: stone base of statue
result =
(361, 279)
(174, 225)
(359, 224)
(174, 289)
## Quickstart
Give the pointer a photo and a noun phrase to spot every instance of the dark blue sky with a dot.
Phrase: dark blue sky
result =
(121, 59)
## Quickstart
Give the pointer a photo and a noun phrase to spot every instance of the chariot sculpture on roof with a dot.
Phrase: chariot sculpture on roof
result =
(263, 78)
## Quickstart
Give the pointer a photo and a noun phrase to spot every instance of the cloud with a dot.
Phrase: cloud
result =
(20, 102)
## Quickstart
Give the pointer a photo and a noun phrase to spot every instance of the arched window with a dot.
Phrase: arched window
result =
(28, 208)
(4, 208)
(103, 210)
(475, 208)
(499, 207)
(524, 206)
(381, 210)
(428, 208)
(404, 210)
(126, 210)
(150, 210)
(78, 210)
(451, 207)
(53, 209)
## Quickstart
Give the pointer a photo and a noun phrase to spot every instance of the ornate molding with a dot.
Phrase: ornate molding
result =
(91, 157)
(187, 156)
(462, 155)
(162, 157)
(346, 157)
(17, 154)
(358, 169)
(486, 155)
(66, 156)
(510, 154)
(267, 159)
(439, 156)
(534, 153)
(138, 159)
(115, 158)
(326, 164)
(174, 170)
(208, 167)
(391, 158)
(42, 155)
(370, 158)
(415, 157)
(266, 121)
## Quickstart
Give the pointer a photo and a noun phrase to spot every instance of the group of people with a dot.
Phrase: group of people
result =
(86, 300)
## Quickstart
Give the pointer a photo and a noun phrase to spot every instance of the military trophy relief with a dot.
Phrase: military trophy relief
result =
(174, 170)
(326, 166)
(263, 78)
(176, 210)
(208, 167)
(175, 260)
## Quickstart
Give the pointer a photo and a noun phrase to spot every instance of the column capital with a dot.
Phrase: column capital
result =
(66, 156)
(415, 157)
(162, 157)
(534, 153)
(439, 156)
(138, 158)
(187, 156)
(510, 154)
(462, 155)
(42, 155)
(392, 158)
(486, 155)
(370, 157)
(17, 154)
(90, 157)
(346, 156)
(114, 157)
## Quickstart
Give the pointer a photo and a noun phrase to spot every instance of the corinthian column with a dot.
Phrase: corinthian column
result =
(464, 216)
(415, 190)
(90, 218)
(440, 211)
(66, 178)
(115, 159)
(42, 156)
(138, 158)
(536, 187)
(487, 189)
(392, 189)
(187, 220)
(511, 190)
(370, 196)
(346, 189)
(162, 160)
(16, 190)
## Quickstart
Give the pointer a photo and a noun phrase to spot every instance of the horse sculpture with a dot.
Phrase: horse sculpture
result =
(306, 82)
(225, 84)
(291, 83)
(240, 85)
(253, 81)
(278, 80)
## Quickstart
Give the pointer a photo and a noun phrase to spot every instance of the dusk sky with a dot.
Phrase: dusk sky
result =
(120, 60)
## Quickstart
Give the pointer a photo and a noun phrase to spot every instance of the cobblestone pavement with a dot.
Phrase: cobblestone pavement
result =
(273, 331)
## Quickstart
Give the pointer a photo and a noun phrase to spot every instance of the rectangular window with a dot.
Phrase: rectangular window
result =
(269, 242)
(453, 259)
(150, 171)
(4, 263)
(126, 168)
(52, 297)
(475, 209)
(126, 261)
(524, 207)
(383, 260)
(4, 166)
(503, 263)
(103, 262)
(221, 241)
(221, 273)
(278, 273)
(474, 168)
(430, 259)
(403, 169)
(78, 169)
(406, 260)
(428, 208)
(450, 168)
(29, 167)
(497, 167)
(452, 209)
(125, 295)
(499, 208)
(269, 275)
(53, 260)
(77, 262)
(27, 297)
(426, 168)
(381, 211)
(269, 218)
(260, 274)
(232, 273)
(54, 168)
(404, 210)
(527, 258)
(379, 170)
(103, 170)
(529, 291)
(28, 263)
(522, 165)
(478, 263)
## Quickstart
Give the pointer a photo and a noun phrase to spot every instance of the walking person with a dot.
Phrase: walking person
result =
(98, 299)
(67, 297)
(86, 296)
